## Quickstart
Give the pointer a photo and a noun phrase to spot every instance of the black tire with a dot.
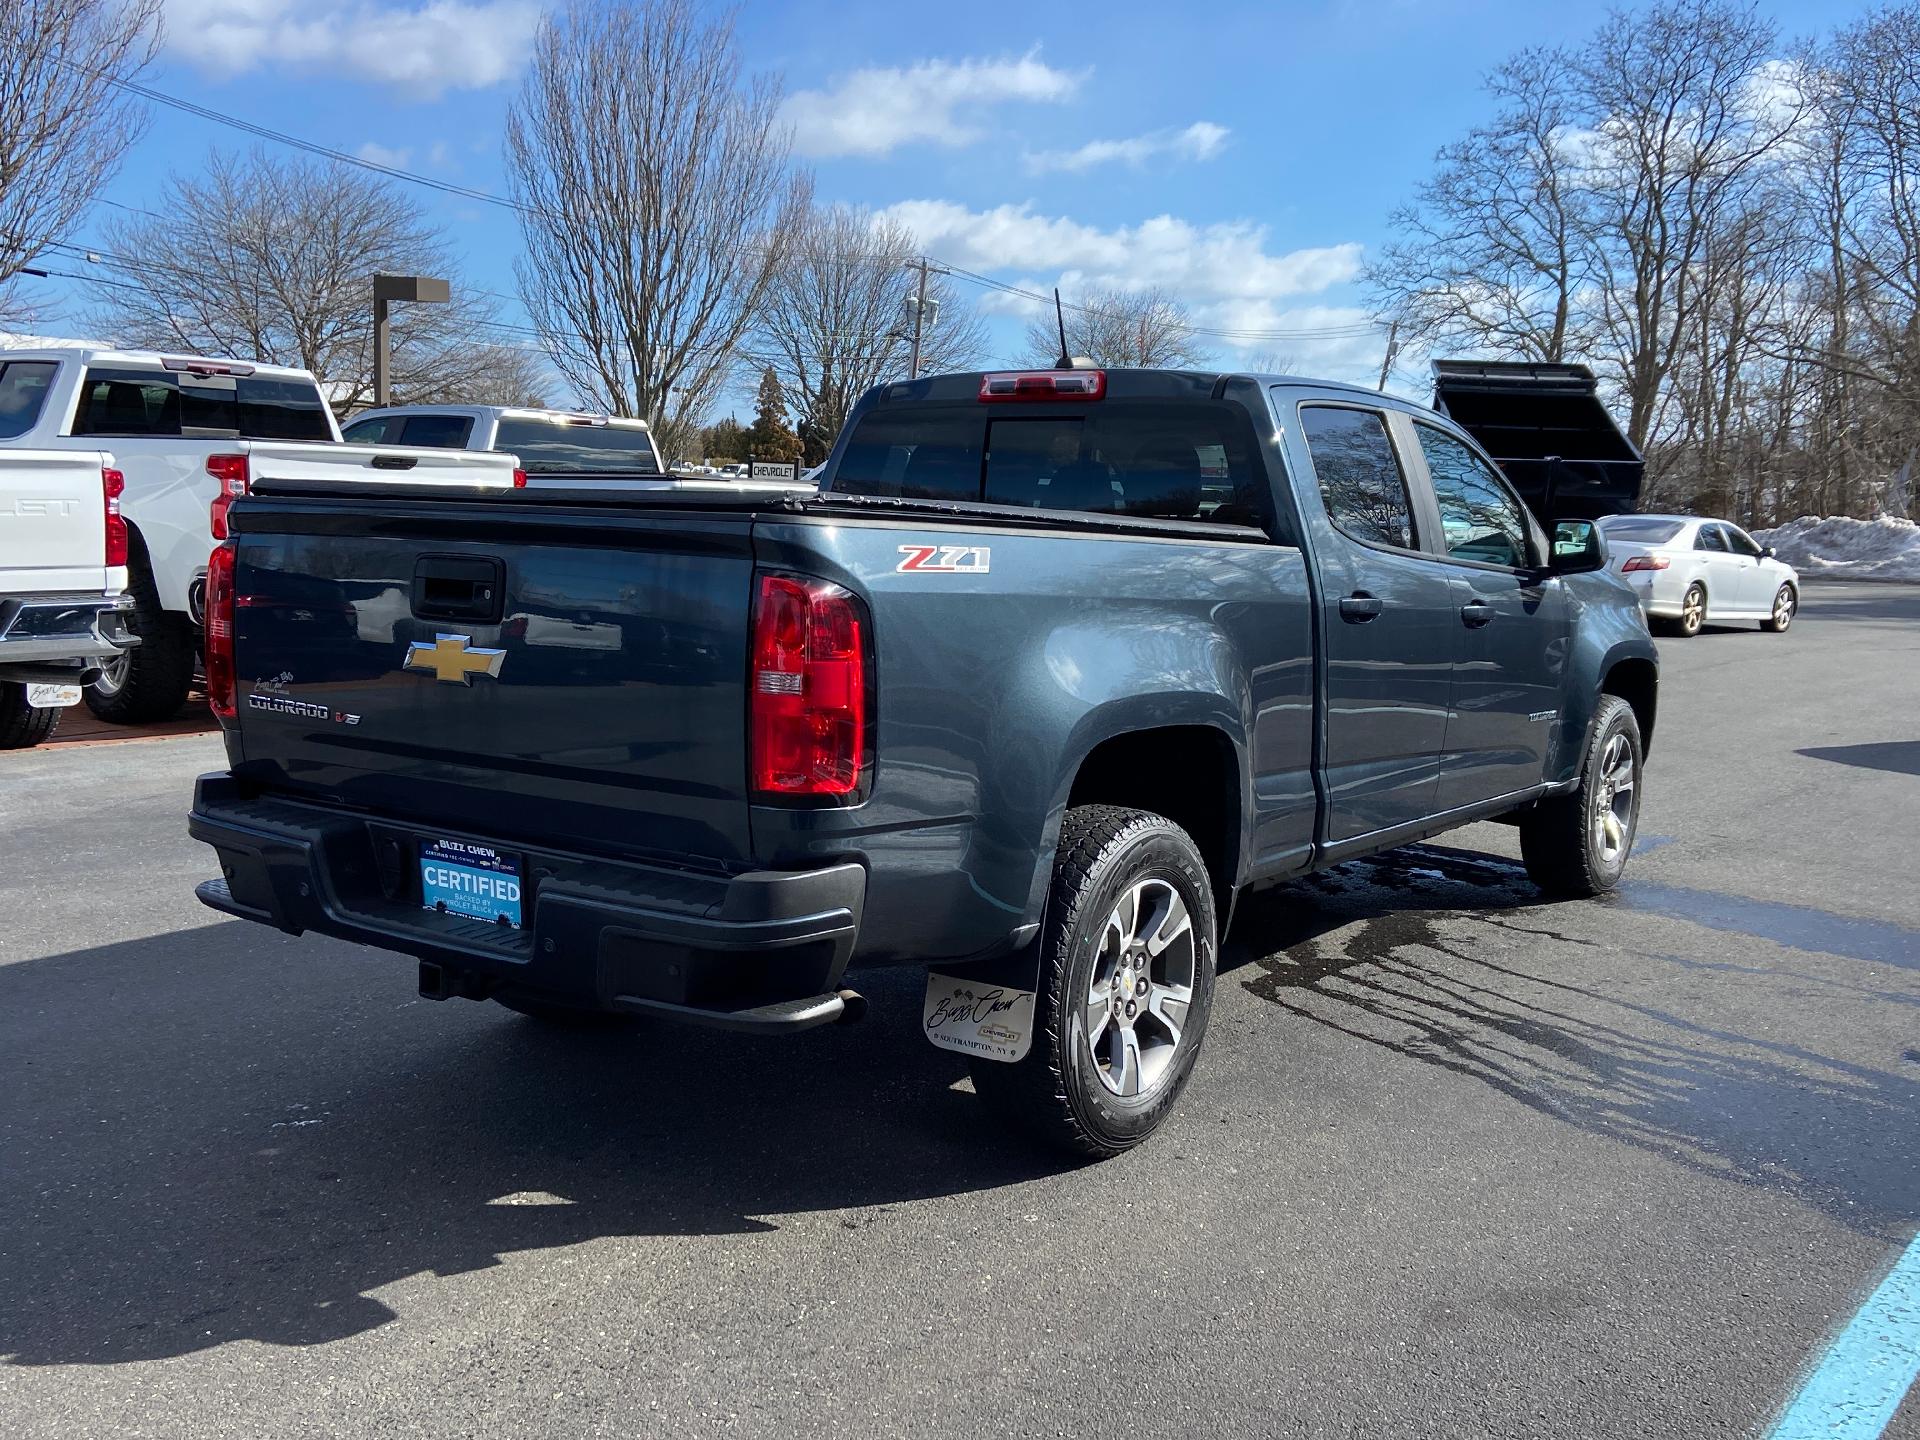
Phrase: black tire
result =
(1060, 1092)
(1786, 604)
(1561, 840)
(152, 680)
(569, 1017)
(22, 726)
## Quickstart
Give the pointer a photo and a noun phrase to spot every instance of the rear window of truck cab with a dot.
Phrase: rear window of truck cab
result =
(23, 391)
(156, 402)
(562, 447)
(1172, 460)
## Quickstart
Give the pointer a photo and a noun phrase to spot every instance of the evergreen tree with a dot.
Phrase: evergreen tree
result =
(771, 437)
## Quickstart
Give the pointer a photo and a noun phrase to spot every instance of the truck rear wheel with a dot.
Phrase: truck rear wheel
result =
(1127, 962)
(1577, 845)
(150, 681)
(21, 725)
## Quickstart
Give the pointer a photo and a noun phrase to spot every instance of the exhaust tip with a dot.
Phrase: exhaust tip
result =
(854, 1007)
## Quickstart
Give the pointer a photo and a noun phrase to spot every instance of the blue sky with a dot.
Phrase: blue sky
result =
(1241, 157)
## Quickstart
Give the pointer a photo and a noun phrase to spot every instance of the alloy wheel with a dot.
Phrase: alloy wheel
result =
(112, 675)
(1142, 988)
(1693, 610)
(1613, 801)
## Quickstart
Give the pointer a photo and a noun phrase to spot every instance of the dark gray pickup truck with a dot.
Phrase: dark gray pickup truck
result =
(1056, 666)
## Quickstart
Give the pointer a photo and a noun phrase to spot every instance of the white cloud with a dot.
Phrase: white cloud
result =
(374, 153)
(1201, 140)
(1275, 306)
(940, 102)
(1194, 263)
(421, 50)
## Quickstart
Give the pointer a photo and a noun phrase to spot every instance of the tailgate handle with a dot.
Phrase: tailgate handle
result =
(459, 587)
(394, 462)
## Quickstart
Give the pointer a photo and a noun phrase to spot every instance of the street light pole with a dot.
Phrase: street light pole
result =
(420, 289)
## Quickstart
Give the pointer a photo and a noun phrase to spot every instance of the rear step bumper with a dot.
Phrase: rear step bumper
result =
(761, 951)
(62, 639)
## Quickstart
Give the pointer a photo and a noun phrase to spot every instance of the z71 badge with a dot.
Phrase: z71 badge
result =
(947, 559)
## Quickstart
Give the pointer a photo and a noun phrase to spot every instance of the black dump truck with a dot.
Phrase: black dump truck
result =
(1056, 666)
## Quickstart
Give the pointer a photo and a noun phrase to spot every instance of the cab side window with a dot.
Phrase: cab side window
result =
(1480, 519)
(1741, 542)
(1360, 480)
(1710, 538)
(367, 432)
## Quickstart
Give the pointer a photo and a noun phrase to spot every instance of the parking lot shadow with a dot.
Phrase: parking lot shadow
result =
(1526, 1007)
(212, 1136)
(1899, 757)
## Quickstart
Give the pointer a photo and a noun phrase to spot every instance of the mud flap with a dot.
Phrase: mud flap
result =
(989, 1009)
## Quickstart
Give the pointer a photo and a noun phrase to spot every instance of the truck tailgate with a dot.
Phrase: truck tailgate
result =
(53, 521)
(544, 674)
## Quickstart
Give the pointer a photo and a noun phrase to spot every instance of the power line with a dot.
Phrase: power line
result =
(264, 132)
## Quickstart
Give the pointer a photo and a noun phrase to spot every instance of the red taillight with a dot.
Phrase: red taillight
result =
(1645, 562)
(113, 485)
(519, 479)
(221, 684)
(808, 708)
(231, 472)
(1044, 385)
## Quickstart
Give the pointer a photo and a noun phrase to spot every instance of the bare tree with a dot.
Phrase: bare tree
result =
(655, 194)
(272, 259)
(64, 119)
(834, 324)
(1119, 328)
(1685, 137)
(1874, 96)
(1496, 247)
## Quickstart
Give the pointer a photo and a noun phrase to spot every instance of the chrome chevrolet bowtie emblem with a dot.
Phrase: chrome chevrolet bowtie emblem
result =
(450, 659)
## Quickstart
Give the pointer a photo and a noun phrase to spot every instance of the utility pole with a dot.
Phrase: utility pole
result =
(919, 319)
(1393, 349)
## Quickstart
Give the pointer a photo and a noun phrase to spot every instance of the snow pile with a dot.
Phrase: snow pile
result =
(1847, 549)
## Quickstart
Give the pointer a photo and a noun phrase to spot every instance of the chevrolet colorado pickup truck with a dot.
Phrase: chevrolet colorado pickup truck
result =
(185, 433)
(63, 576)
(1055, 666)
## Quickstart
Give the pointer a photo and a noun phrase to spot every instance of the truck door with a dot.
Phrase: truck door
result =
(1513, 627)
(1389, 623)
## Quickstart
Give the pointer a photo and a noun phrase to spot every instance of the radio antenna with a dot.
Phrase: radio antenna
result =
(1060, 315)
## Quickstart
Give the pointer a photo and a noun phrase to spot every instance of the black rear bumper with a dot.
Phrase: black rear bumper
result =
(761, 951)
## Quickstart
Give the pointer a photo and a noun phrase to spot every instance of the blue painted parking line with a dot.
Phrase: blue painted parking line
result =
(1854, 1391)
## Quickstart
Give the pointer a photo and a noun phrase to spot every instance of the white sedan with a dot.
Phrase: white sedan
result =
(1690, 572)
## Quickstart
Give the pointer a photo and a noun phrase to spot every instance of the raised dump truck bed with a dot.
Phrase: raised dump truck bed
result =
(1546, 427)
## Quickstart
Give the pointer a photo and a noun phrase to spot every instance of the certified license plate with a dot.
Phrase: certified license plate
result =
(457, 878)
(52, 697)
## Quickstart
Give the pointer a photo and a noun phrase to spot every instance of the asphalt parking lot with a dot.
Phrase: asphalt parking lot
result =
(1455, 1163)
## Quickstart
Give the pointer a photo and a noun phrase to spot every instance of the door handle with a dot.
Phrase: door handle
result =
(1360, 607)
(1476, 613)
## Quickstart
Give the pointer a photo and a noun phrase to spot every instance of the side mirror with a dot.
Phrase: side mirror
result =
(1767, 552)
(1578, 548)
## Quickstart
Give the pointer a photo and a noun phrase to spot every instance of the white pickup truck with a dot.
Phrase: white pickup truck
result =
(188, 434)
(63, 575)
